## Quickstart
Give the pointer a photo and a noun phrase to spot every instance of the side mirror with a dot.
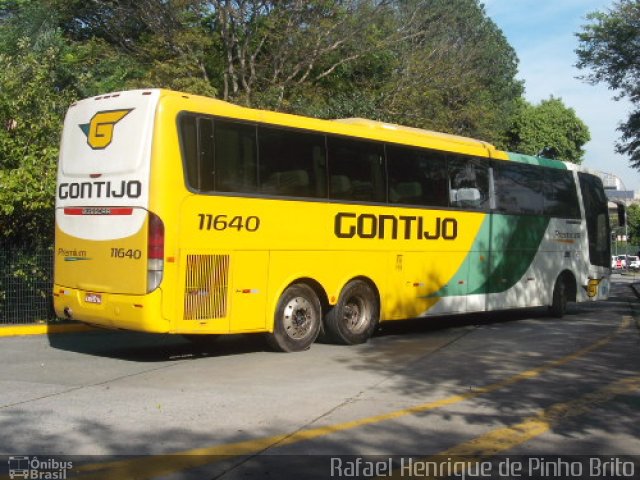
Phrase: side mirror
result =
(622, 215)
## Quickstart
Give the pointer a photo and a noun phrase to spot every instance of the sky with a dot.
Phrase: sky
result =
(542, 32)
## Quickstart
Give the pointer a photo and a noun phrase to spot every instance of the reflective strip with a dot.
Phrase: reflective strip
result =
(98, 211)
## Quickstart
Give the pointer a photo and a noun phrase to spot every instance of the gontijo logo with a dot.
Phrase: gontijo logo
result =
(99, 131)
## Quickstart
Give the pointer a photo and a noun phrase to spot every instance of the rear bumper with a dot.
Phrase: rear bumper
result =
(141, 313)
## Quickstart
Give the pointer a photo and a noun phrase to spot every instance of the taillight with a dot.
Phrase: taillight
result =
(155, 252)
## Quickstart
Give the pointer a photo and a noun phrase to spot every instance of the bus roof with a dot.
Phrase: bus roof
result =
(355, 127)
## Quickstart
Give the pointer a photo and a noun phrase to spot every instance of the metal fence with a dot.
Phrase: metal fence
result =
(26, 280)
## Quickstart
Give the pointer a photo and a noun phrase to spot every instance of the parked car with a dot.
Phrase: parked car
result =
(620, 262)
(633, 262)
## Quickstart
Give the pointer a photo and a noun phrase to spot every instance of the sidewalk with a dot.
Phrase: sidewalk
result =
(632, 278)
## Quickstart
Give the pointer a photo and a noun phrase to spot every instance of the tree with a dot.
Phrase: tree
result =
(157, 43)
(457, 74)
(633, 220)
(610, 47)
(32, 105)
(270, 50)
(436, 64)
(549, 129)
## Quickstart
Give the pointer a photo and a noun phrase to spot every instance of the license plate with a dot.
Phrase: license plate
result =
(93, 298)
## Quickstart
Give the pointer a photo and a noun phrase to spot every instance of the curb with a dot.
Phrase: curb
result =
(42, 329)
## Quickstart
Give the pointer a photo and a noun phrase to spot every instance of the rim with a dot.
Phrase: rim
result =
(299, 318)
(356, 314)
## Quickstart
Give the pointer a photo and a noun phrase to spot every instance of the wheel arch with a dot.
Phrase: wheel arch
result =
(570, 282)
(317, 288)
(368, 281)
(355, 314)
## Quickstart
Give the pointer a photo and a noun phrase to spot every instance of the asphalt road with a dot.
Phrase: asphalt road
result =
(509, 383)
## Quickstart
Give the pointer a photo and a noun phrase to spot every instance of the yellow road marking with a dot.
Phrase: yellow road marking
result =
(158, 465)
(41, 329)
(468, 454)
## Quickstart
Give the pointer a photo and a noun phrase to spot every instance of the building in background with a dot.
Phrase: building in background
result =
(616, 190)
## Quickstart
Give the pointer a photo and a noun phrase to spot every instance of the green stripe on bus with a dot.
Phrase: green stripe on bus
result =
(540, 161)
(515, 242)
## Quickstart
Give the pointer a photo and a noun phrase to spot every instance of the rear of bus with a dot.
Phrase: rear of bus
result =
(109, 246)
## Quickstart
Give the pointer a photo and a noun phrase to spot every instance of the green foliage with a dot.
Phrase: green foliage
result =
(436, 64)
(633, 221)
(610, 47)
(31, 109)
(549, 129)
(455, 73)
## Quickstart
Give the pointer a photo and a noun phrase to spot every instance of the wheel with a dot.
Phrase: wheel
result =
(559, 302)
(355, 317)
(297, 319)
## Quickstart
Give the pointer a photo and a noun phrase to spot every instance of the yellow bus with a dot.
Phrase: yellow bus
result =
(188, 215)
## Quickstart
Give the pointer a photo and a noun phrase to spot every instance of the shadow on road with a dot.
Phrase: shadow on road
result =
(416, 361)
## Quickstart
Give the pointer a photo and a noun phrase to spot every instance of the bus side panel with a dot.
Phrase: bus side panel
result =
(249, 291)
(423, 250)
(415, 276)
(286, 267)
(533, 253)
(221, 291)
(445, 278)
(514, 278)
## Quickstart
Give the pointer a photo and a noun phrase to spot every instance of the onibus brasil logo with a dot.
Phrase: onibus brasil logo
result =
(99, 131)
(35, 469)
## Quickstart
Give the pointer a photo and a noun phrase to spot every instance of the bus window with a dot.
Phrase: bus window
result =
(205, 150)
(292, 163)
(197, 150)
(597, 217)
(218, 155)
(468, 183)
(518, 188)
(189, 141)
(356, 170)
(236, 159)
(417, 177)
(560, 196)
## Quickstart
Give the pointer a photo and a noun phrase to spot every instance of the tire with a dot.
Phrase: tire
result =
(560, 298)
(356, 315)
(297, 319)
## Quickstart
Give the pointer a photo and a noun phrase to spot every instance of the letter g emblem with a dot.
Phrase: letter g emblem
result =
(99, 131)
